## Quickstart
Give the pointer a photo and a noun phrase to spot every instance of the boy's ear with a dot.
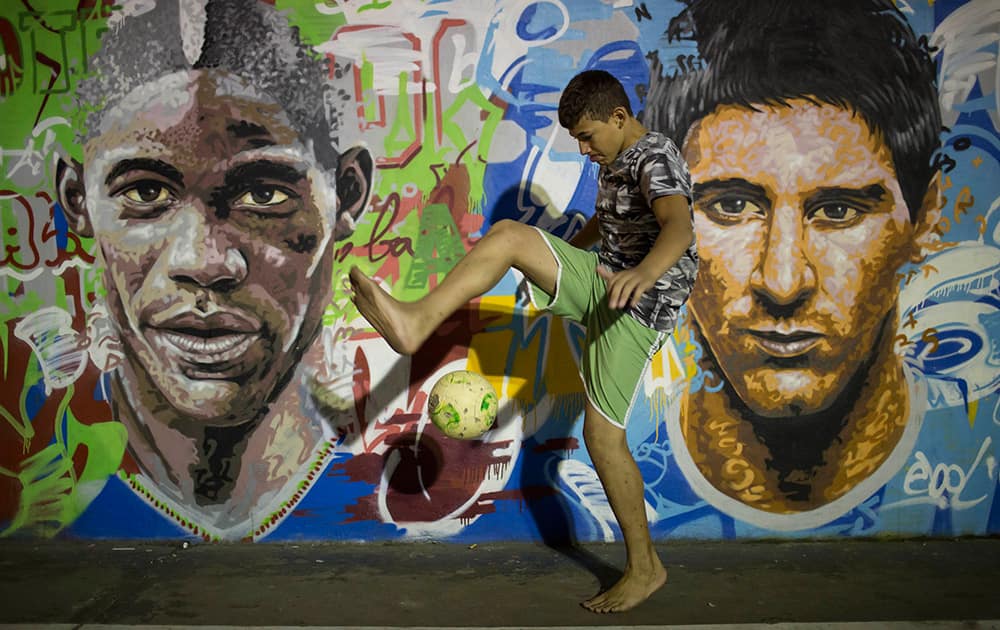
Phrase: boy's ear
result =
(926, 234)
(619, 116)
(354, 187)
(73, 196)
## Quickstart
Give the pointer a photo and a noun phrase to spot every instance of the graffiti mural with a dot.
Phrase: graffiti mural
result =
(184, 185)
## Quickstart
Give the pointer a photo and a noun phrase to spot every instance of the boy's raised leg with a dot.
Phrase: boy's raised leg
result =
(406, 325)
(644, 573)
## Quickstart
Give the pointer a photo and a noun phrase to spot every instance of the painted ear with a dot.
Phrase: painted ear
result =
(926, 234)
(72, 196)
(354, 187)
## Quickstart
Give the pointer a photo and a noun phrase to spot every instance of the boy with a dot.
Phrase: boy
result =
(627, 296)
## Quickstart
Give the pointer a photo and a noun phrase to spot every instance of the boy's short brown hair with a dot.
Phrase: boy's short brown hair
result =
(592, 94)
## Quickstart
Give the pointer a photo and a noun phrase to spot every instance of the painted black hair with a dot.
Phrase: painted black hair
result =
(860, 55)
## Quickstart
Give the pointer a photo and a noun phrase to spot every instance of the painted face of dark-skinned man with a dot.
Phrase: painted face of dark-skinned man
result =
(213, 220)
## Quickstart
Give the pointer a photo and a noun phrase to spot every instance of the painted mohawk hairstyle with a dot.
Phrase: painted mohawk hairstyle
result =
(248, 39)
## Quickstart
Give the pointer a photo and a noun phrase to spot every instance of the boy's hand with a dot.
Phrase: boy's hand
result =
(625, 288)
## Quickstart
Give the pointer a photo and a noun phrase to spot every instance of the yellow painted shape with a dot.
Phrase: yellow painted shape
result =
(489, 352)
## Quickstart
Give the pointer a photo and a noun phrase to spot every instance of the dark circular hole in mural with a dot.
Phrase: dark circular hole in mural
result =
(420, 462)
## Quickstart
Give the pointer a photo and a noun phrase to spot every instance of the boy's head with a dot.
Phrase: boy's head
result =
(591, 94)
(594, 108)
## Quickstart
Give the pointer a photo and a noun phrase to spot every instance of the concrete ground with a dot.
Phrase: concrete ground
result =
(497, 585)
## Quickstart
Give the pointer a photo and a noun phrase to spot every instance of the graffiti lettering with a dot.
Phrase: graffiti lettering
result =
(32, 157)
(50, 42)
(901, 341)
(343, 252)
(963, 202)
(944, 162)
(929, 337)
(940, 484)
(53, 68)
(394, 246)
(23, 251)
(12, 256)
(961, 144)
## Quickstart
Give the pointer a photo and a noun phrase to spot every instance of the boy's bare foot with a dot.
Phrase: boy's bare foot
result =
(384, 312)
(630, 591)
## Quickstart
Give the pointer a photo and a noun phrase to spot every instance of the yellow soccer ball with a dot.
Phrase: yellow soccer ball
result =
(463, 404)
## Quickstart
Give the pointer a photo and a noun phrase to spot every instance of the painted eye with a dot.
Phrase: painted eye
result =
(835, 213)
(262, 197)
(733, 208)
(147, 192)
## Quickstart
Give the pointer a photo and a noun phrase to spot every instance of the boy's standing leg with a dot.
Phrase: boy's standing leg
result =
(405, 326)
(622, 482)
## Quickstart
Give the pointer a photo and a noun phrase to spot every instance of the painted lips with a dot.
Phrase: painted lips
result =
(785, 345)
(213, 346)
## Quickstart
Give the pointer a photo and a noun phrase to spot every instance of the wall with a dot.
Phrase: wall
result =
(834, 374)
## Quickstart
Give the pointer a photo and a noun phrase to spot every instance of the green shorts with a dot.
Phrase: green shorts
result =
(617, 348)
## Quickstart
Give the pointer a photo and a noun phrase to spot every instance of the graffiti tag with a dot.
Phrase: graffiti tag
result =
(942, 484)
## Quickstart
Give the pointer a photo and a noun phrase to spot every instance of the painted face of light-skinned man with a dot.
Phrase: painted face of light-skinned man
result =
(807, 209)
(802, 228)
(214, 216)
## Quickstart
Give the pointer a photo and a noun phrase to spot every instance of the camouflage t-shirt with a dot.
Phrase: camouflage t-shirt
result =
(650, 168)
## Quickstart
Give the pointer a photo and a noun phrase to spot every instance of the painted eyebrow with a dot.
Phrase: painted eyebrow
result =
(144, 164)
(244, 174)
(873, 193)
(729, 185)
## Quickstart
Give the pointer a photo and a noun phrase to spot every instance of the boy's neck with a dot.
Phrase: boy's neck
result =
(634, 130)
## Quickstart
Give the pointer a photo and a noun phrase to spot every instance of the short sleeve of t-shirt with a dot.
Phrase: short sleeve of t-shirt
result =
(662, 172)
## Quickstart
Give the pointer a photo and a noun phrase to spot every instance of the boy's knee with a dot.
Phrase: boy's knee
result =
(599, 432)
(510, 230)
(510, 235)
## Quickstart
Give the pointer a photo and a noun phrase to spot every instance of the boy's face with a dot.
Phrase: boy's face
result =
(601, 140)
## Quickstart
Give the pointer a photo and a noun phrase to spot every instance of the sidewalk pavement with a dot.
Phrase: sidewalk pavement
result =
(781, 585)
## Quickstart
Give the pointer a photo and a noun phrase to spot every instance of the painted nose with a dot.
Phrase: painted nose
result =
(784, 276)
(202, 254)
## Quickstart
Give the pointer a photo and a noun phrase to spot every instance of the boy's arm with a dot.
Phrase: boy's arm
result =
(676, 234)
(589, 234)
